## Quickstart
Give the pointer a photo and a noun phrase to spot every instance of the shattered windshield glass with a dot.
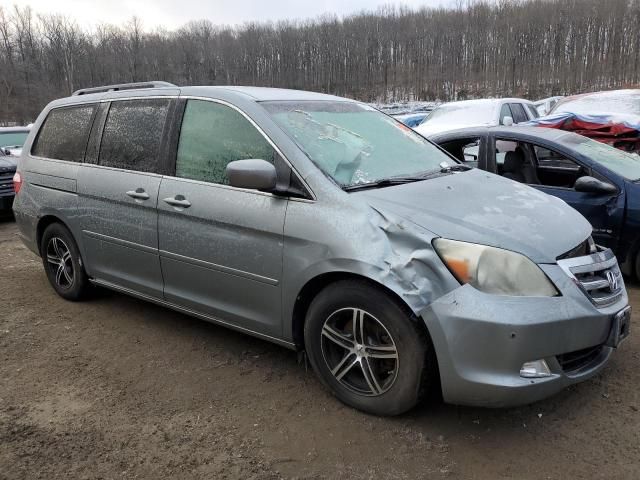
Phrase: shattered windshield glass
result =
(355, 144)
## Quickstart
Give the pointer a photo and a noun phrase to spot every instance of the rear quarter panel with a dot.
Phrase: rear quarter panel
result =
(49, 188)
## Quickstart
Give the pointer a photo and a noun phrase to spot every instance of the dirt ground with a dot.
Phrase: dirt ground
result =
(118, 388)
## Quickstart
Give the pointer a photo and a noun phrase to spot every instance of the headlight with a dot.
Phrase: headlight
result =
(494, 270)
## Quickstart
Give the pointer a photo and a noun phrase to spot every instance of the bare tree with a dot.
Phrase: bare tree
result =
(528, 48)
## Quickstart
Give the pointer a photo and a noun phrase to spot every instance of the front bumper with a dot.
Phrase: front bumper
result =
(482, 340)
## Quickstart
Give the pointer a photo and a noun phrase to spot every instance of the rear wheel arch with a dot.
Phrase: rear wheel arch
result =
(43, 223)
(62, 261)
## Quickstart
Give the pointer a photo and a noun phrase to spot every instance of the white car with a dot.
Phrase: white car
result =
(477, 113)
(545, 105)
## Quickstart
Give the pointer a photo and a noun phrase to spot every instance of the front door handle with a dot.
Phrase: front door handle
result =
(138, 194)
(178, 201)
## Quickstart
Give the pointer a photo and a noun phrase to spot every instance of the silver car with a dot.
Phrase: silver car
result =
(323, 225)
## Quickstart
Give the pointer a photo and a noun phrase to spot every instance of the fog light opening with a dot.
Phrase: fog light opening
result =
(535, 369)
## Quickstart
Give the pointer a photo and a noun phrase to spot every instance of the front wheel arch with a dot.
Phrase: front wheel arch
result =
(314, 286)
(418, 379)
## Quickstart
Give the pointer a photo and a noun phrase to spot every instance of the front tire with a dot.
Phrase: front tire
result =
(367, 350)
(62, 262)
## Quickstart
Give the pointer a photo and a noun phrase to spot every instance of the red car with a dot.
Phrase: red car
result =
(610, 117)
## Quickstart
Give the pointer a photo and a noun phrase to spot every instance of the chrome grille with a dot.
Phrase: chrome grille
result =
(6, 183)
(597, 275)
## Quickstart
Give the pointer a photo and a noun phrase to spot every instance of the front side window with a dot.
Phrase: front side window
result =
(132, 134)
(555, 169)
(505, 111)
(619, 162)
(550, 159)
(212, 135)
(355, 144)
(64, 133)
(466, 150)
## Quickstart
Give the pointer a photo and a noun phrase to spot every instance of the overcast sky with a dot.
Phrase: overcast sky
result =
(175, 13)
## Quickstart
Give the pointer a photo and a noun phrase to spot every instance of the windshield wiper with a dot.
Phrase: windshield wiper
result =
(383, 182)
(454, 168)
(387, 182)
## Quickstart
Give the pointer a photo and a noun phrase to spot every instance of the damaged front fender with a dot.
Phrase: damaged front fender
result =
(377, 245)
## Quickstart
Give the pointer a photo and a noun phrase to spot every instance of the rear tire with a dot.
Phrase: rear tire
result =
(62, 262)
(368, 350)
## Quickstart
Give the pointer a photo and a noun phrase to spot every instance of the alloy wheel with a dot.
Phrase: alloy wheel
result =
(61, 263)
(359, 351)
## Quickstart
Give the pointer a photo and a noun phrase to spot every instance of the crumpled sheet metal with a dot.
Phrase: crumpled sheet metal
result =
(408, 265)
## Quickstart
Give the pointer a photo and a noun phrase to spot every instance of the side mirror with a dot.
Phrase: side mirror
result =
(507, 121)
(589, 184)
(252, 174)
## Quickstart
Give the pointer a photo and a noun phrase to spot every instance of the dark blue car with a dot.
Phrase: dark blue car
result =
(412, 120)
(599, 181)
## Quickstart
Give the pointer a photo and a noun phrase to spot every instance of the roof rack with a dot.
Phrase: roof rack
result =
(122, 86)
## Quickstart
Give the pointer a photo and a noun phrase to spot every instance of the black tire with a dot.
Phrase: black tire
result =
(62, 262)
(390, 387)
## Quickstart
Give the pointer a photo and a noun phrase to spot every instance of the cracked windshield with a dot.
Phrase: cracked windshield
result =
(355, 144)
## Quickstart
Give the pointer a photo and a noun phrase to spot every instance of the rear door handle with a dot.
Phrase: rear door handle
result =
(178, 201)
(138, 194)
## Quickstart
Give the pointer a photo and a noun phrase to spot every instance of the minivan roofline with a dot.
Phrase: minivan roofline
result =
(143, 89)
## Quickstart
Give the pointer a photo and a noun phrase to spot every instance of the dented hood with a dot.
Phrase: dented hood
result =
(480, 207)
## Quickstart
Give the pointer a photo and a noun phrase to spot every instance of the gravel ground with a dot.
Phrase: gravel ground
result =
(117, 388)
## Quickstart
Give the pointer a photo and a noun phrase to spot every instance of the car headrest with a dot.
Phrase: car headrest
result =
(513, 161)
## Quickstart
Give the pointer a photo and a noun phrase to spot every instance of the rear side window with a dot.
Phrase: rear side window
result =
(132, 134)
(532, 110)
(213, 135)
(64, 134)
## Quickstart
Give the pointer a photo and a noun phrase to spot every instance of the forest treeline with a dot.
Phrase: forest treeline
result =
(527, 48)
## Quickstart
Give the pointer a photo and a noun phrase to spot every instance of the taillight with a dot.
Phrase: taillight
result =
(17, 182)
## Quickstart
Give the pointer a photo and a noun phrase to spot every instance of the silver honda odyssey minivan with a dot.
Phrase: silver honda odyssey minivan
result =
(323, 225)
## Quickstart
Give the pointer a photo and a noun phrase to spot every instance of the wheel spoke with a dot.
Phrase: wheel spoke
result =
(66, 256)
(56, 247)
(369, 376)
(382, 351)
(368, 344)
(337, 337)
(59, 273)
(67, 276)
(358, 325)
(59, 256)
(344, 366)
